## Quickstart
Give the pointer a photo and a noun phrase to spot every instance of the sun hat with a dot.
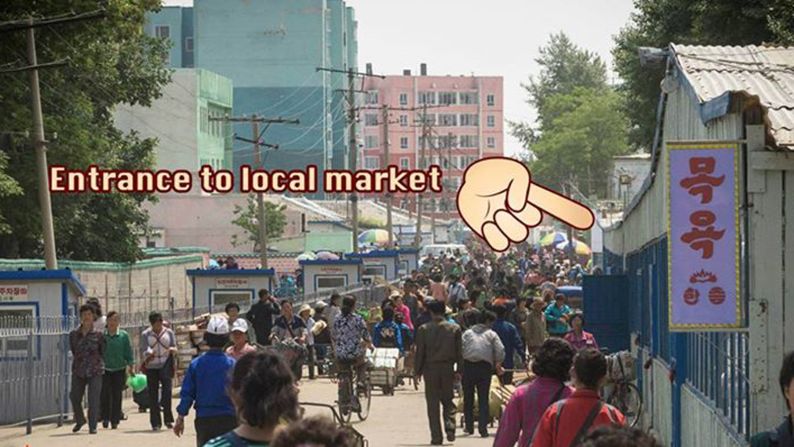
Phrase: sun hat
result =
(240, 325)
(218, 326)
(305, 308)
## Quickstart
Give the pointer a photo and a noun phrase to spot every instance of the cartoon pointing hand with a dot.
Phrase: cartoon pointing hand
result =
(499, 202)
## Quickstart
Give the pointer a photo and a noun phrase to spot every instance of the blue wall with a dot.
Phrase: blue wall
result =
(172, 16)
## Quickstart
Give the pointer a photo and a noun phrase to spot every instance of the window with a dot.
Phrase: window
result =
(162, 31)
(404, 163)
(371, 141)
(16, 322)
(189, 44)
(491, 142)
(220, 298)
(330, 282)
(490, 100)
(469, 119)
(372, 97)
(447, 98)
(371, 162)
(427, 98)
(430, 119)
(403, 268)
(469, 141)
(469, 98)
(204, 119)
(491, 121)
(371, 119)
(373, 271)
(403, 142)
(447, 119)
(403, 99)
(403, 120)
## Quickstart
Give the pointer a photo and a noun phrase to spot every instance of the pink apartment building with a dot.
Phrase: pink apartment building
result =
(464, 119)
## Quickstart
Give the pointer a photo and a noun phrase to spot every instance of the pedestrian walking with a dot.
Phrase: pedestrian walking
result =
(332, 310)
(406, 334)
(204, 387)
(518, 317)
(119, 362)
(239, 336)
(233, 312)
(306, 314)
(511, 340)
(551, 366)
(439, 351)
(401, 307)
(783, 434)
(158, 346)
(456, 291)
(578, 337)
(387, 333)
(263, 391)
(566, 422)
(557, 315)
(88, 368)
(483, 353)
(535, 327)
(261, 316)
(290, 332)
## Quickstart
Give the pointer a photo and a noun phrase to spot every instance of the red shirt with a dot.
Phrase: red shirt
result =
(560, 431)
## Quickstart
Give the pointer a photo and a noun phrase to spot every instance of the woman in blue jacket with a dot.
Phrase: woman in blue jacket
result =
(557, 316)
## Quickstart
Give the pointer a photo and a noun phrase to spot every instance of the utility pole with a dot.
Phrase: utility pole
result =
(258, 140)
(40, 145)
(422, 165)
(39, 139)
(386, 154)
(353, 147)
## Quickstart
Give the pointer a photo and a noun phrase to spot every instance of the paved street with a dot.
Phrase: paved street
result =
(398, 421)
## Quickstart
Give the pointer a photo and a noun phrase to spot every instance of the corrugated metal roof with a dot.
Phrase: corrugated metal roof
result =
(763, 71)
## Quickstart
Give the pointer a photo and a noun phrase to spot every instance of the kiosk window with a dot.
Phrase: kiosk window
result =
(16, 322)
(220, 298)
(403, 267)
(331, 282)
(375, 270)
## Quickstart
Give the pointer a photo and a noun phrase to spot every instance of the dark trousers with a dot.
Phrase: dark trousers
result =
(311, 360)
(79, 385)
(212, 427)
(160, 399)
(507, 378)
(439, 383)
(476, 376)
(112, 387)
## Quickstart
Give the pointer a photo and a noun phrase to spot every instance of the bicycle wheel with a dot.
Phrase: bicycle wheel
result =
(345, 387)
(626, 398)
(364, 396)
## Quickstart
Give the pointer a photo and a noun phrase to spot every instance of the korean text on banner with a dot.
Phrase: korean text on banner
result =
(703, 236)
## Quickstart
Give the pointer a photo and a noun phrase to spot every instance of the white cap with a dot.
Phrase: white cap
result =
(240, 325)
(218, 326)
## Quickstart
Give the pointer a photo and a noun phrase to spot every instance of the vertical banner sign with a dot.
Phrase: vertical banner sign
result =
(703, 236)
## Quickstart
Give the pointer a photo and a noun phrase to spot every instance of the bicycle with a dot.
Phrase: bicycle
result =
(625, 396)
(358, 398)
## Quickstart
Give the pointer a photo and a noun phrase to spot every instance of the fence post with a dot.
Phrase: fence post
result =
(62, 374)
(29, 403)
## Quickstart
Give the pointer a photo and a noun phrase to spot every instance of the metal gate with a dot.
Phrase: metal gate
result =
(606, 310)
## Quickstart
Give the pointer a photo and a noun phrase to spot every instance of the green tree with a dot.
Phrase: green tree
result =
(246, 218)
(110, 61)
(8, 187)
(657, 23)
(580, 126)
(578, 144)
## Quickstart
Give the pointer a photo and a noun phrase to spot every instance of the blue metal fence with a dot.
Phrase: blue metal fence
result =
(714, 364)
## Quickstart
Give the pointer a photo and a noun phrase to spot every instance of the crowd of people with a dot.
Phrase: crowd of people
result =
(461, 319)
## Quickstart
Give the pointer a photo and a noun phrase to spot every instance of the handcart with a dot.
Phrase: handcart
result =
(385, 364)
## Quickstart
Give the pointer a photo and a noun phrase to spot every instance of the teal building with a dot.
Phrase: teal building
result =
(271, 49)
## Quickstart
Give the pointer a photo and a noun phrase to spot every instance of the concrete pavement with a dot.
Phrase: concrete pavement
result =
(394, 421)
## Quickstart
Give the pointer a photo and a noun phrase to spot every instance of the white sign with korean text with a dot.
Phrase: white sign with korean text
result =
(13, 292)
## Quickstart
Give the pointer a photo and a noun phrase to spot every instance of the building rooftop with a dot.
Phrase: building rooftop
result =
(715, 73)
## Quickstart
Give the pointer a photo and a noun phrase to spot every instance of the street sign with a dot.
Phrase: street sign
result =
(13, 292)
(231, 283)
(703, 236)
